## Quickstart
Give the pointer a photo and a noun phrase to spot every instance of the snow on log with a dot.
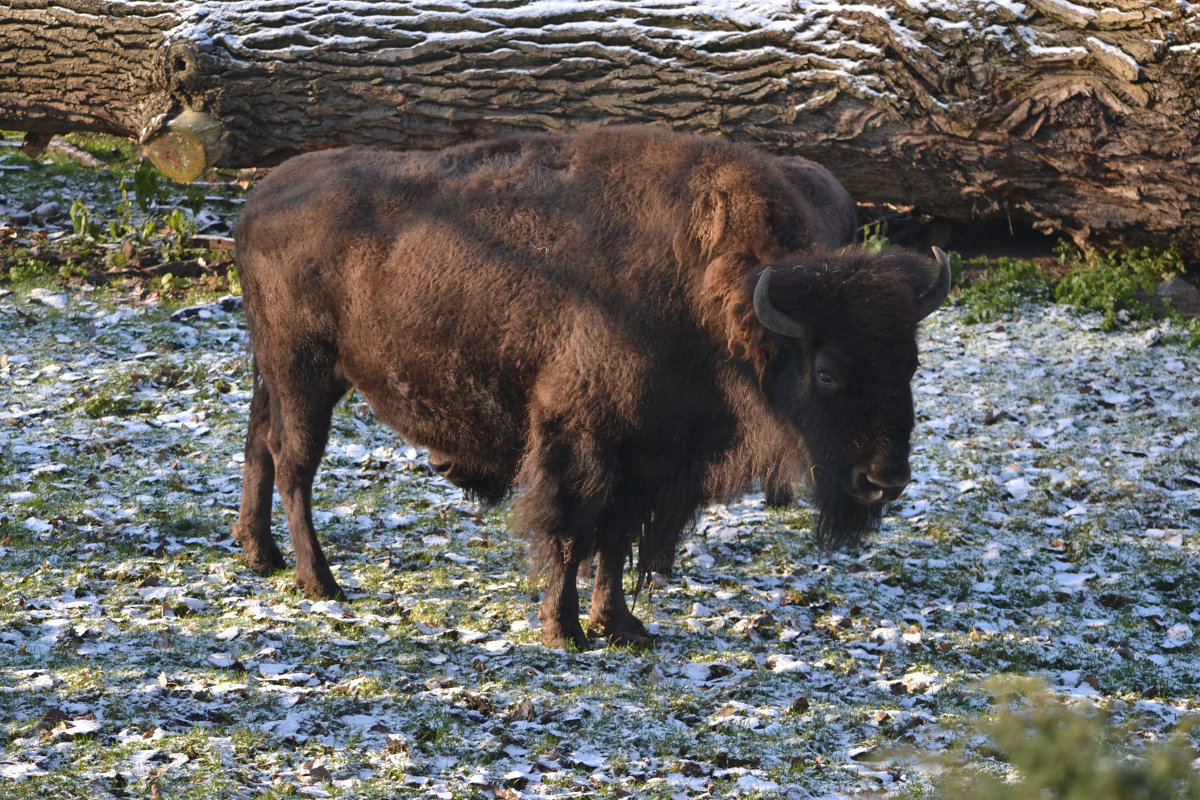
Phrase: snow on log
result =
(1075, 117)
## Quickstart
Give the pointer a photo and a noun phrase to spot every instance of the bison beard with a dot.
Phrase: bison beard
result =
(841, 521)
(621, 325)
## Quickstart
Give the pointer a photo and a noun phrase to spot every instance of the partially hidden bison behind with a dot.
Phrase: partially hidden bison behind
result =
(622, 325)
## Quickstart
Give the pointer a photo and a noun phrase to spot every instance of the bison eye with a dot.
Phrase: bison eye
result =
(826, 380)
(828, 371)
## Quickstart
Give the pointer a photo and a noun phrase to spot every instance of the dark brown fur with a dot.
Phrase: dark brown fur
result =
(571, 317)
(834, 218)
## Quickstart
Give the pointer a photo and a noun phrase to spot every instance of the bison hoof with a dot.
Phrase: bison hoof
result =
(558, 637)
(264, 565)
(776, 497)
(319, 589)
(626, 633)
(260, 555)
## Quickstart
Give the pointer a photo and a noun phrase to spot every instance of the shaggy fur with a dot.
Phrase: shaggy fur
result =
(572, 317)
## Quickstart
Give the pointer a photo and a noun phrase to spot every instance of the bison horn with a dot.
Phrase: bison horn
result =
(936, 293)
(772, 318)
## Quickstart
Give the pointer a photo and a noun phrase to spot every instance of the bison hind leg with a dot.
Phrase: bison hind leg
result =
(302, 402)
(559, 613)
(253, 527)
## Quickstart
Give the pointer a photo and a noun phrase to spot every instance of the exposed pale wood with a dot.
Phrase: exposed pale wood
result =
(1076, 117)
(188, 146)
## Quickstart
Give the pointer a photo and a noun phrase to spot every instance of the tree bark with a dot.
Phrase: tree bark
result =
(1075, 117)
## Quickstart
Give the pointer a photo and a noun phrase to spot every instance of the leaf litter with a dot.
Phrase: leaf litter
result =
(1050, 529)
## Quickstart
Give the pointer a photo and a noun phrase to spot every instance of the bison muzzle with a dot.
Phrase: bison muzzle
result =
(622, 325)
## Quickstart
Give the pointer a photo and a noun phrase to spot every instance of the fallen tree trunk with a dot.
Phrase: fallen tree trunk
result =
(1072, 117)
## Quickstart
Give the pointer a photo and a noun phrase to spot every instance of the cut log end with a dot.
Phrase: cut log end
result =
(190, 144)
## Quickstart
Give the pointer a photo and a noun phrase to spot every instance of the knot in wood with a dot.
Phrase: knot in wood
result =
(182, 68)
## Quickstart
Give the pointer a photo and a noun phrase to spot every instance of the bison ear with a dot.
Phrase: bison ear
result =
(732, 215)
(934, 293)
(709, 220)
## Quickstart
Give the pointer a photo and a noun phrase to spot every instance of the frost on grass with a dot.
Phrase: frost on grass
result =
(1049, 530)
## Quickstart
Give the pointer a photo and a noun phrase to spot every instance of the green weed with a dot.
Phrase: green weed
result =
(1114, 283)
(1189, 332)
(873, 235)
(36, 271)
(113, 405)
(1003, 288)
(84, 220)
(30, 270)
(180, 224)
(235, 283)
(1117, 284)
(169, 284)
(148, 188)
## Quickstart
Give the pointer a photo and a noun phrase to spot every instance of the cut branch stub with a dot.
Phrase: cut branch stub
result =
(190, 144)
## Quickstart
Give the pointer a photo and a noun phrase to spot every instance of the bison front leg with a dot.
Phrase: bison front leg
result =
(777, 491)
(610, 617)
(559, 613)
(253, 527)
(568, 475)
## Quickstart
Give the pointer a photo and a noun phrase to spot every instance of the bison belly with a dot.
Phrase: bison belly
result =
(440, 369)
(472, 428)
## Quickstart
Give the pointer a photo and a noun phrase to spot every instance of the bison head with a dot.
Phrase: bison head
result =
(843, 329)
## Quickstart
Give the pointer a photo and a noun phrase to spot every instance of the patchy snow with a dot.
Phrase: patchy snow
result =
(1050, 529)
(1117, 60)
(814, 44)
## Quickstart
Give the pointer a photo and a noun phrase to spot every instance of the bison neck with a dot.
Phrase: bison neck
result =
(760, 445)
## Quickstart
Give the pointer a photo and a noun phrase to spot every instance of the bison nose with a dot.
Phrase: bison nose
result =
(871, 487)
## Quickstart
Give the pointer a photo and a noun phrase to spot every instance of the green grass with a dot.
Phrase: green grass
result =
(448, 697)
(35, 272)
(120, 581)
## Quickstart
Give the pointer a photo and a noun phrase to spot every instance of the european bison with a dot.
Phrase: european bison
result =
(833, 219)
(623, 325)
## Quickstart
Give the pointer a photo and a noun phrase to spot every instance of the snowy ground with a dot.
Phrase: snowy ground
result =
(1050, 530)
